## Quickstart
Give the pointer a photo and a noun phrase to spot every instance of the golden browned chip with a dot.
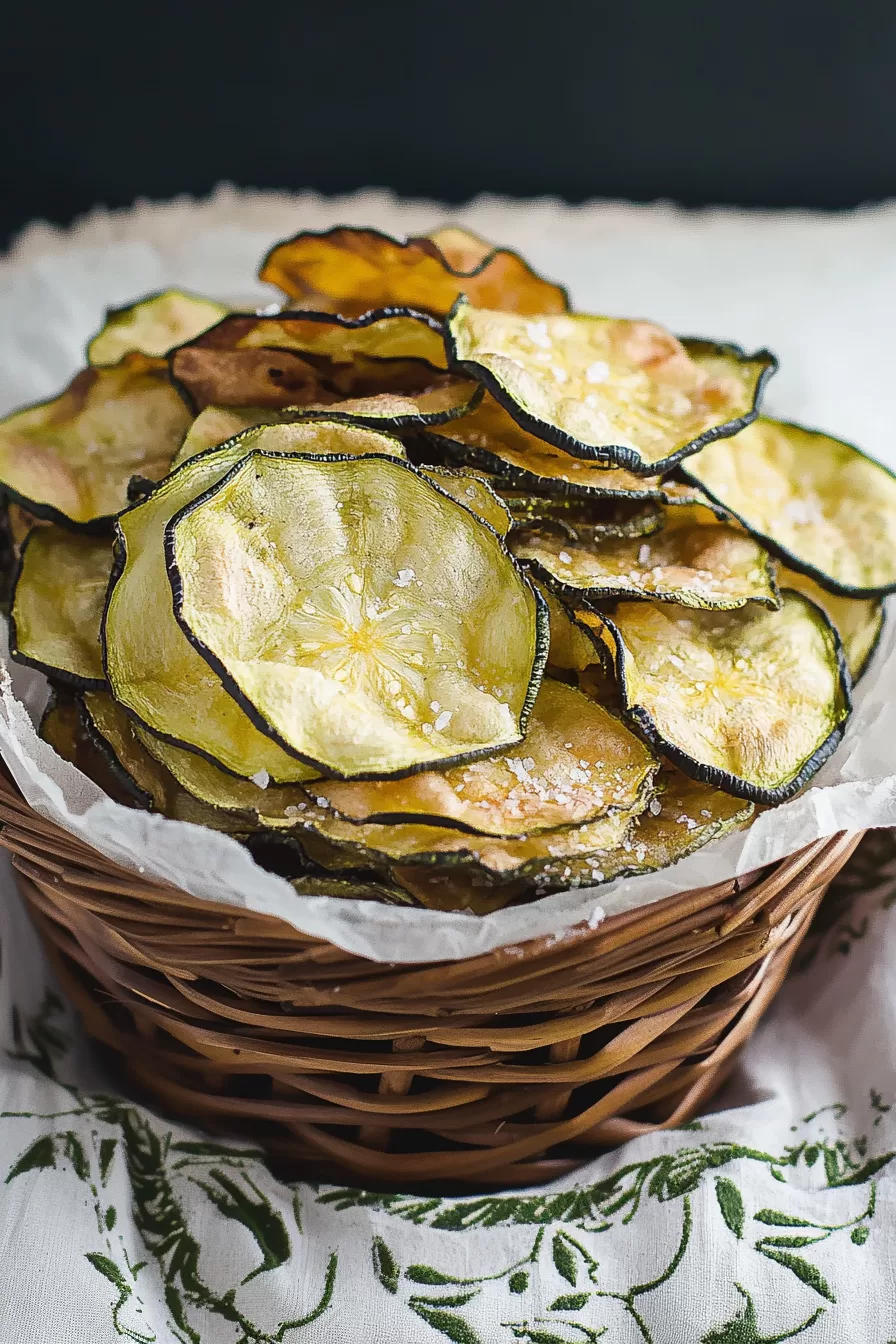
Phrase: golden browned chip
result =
(363, 619)
(442, 847)
(577, 763)
(462, 249)
(590, 519)
(694, 560)
(608, 389)
(112, 732)
(685, 815)
(351, 271)
(479, 892)
(271, 803)
(162, 680)
(857, 620)
(475, 493)
(820, 504)
(65, 726)
(70, 459)
(574, 645)
(272, 379)
(490, 438)
(153, 326)
(752, 701)
(58, 604)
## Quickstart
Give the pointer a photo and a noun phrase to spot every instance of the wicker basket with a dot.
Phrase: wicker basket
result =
(504, 1069)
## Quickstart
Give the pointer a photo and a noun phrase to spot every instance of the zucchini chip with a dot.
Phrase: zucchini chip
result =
(577, 763)
(752, 701)
(475, 493)
(64, 725)
(58, 604)
(162, 680)
(477, 892)
(112, 733)
(443, 847)
(491, 439)
(820, 504)
(588, 519)
(695, 561)
(153, 326)
(858, 621)
(363, 619)
(683, 817)
(216, 424)
(608, 389)
(207, 782)
(351, 271)
(70, 459)
(352, 889)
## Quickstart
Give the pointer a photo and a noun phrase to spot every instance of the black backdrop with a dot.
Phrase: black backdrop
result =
(761, 102)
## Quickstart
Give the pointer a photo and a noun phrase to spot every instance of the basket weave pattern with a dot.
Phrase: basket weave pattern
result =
(505, 1069)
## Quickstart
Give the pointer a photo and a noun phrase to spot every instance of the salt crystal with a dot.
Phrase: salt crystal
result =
(405, 578)
(443, 720)
(566, 557)
(261, 778)
(598, 372)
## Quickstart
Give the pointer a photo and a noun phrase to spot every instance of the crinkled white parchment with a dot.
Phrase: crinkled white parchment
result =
(817, 289)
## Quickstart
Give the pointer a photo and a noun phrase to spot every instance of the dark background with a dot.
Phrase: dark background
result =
(751, 103)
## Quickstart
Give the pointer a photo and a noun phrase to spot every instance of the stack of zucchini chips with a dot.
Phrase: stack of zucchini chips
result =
(429, 590)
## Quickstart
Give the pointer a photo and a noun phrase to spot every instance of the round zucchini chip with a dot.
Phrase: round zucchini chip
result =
(153, 326)
(210, 784)
(491, 439)
(695, 561)
(475, 493)
(752, 701)
(685, 815)
(364, 620)
(611, 390)
(820, 504)
(858, 621)
(70, 459)
(350, 271)
(444, 847)
(161, 679)
(57, 607)
(113, 734)
(577, 763)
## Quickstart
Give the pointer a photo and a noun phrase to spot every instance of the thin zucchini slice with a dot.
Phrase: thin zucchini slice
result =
(477, 892)
(162, 681)
(573, 645)
(588, 519)
(363, 619)
(351, 271)
(857, 620)
(64, 725)
(269, 802)
(216, 424)
(57, 607)
(462, 249)
(685, 815)
(70, 459)
(607, 389)
(577, 763)
(153, 326)
(475, 493)
(490, 438)
(443, 847)
(752, 701)
(273, 379)
(113, 734)
(820, 504)
(695, 561)
(353, 889)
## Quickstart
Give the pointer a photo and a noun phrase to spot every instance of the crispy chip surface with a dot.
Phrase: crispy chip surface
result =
(58, 604)
(70, 459)
(153, 326)
(819, 503)
(695, 561)
(607, 389)
(475, 493)
(351, 271)
(363, 618)
(752, 700)
(857, 620)
(440, 846)
(163, 681)
(577, 763)
(685, 815)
